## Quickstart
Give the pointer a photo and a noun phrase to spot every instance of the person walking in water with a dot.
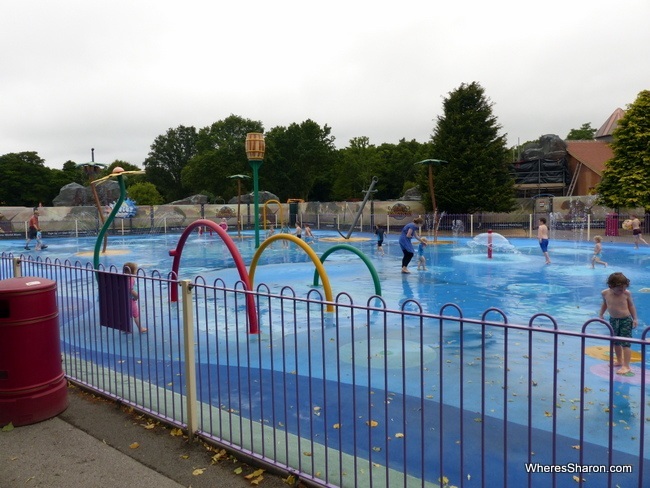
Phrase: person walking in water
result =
(408, 233)
(422, 260)
(34, 232)
(379, 232)
(542, 236)
(636, 232)
(598, 252)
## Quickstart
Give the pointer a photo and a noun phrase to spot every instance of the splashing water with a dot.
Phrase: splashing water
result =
(499, 243)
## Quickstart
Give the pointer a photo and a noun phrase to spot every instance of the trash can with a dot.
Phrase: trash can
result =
(611, 224)
(32, 384)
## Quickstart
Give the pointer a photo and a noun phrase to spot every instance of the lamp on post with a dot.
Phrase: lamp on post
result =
(255, 153)
(239, 178)
(430, 163)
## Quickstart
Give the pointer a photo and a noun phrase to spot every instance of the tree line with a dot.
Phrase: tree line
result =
(301, 161)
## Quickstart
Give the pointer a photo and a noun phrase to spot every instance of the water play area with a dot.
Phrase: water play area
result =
(467, 370)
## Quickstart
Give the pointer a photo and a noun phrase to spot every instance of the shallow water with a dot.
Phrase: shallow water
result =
(459, 271)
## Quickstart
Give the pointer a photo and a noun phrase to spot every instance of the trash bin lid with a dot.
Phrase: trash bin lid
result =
(26, 284)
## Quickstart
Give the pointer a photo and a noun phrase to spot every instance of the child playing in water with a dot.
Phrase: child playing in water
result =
(622, 317)
(131, 269)
(598, 250)
(379, 232)
(422, 261)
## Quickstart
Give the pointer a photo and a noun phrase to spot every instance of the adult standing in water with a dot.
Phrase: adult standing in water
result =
(408, 232)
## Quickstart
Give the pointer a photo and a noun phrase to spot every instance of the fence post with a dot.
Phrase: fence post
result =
(471, 225)
(17, 270)
(530, 225)
(588, 227)
(190, 363)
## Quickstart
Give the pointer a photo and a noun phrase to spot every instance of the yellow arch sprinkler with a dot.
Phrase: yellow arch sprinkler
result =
(119, 174)
(310, 252)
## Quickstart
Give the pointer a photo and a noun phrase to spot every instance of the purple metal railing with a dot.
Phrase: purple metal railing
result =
(367, 395)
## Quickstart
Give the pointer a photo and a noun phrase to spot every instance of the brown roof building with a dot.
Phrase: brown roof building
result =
(586, 161)
(587, 158)
(551, 166)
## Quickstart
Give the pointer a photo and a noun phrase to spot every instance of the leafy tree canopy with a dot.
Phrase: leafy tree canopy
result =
(169, 154)
(145, 194)
(585, 133)
(220, 153)
(467, 136)
(625, 180)
(355, 169)
(297, 159)
(397, 169)
(26, 181)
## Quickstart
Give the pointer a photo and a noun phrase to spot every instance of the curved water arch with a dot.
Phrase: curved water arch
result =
(109, 220)
(264, 212)
(364, 258)
(239, 263)
(310, 252)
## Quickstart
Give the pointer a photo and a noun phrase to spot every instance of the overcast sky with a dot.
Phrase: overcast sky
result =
(114, 75)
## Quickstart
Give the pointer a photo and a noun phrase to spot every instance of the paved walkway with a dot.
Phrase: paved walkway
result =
(89, 445)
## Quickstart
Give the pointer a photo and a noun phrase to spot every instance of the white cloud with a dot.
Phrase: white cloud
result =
(113, 76)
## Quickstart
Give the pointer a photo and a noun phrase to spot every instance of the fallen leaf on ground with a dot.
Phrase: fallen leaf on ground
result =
(198, 471)
(135, 445)
(254, 474)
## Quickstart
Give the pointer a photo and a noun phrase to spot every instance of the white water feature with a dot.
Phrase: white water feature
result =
(499, 243)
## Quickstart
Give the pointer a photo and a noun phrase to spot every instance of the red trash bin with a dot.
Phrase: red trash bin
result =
(611, 224)
(32, 384)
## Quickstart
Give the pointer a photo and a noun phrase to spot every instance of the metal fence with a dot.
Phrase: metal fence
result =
(364, 395)
(511, 225)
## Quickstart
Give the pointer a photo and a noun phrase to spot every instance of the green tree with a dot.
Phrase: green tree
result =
(221, 152)
(26, 181)
(397, 167)
(585, 133)
(129, 179)
(71, 172)
(297, 158)
(625, 179)
(355, 168)
(145, 194)
(169, 154)
(467, 137)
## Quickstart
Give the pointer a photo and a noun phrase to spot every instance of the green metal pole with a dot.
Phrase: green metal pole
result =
(256, 199)
(109, 220)
(256, 202)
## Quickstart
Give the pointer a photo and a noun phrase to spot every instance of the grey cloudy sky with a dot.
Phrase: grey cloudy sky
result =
(76, 74)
